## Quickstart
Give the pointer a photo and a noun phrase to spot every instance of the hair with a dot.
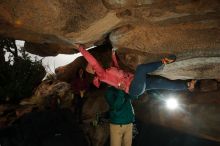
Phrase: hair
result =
(77, 73)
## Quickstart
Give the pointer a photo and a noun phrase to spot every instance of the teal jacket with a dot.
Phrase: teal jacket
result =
(121, 110)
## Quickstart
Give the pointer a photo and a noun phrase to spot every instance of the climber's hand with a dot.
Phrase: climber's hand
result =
(77, 46)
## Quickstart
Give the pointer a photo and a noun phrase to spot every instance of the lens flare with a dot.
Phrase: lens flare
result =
(172, 103)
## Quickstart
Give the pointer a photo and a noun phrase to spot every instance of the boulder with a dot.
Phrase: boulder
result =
(95, 105)
(68, 72)
(197, 113)
(144, 31)
(195, 68)
(45, 128)
(154, 24)
(208, 85)
(50, 91)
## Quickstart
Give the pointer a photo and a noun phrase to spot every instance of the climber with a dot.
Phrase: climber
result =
(136, 84)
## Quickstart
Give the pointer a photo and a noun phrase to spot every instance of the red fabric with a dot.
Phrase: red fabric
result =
(112, 76)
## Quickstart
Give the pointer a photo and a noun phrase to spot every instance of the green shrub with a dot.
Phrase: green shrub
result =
(19, 75)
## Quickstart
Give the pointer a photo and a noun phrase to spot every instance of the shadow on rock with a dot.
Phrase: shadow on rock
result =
(46, 128)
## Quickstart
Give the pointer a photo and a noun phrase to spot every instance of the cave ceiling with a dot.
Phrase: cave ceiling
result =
(143, 30)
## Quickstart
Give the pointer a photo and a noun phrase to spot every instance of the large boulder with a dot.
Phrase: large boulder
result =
(143, 30)
(51, 93)
(208, 85)
(48, 128)
(56, 22)
(195, 68)
(95, 106)
(155, 25)
(197, 113)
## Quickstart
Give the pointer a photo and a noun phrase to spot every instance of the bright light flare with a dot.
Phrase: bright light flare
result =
(172, 103)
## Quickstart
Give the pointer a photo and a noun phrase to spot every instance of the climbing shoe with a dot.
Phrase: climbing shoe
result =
(169, 59)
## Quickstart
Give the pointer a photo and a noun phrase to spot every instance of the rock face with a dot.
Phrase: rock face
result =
(51, 93)
(52, 22)
(197, 114)
(68, 72)
(148, 26)
(195, 68)
(143, 30)
(95, 105)
(208, 85)
(44, 128)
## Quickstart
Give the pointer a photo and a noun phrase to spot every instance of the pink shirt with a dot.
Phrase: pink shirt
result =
(113, 76)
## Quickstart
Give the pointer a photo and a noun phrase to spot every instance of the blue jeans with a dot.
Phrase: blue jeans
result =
(143, 82)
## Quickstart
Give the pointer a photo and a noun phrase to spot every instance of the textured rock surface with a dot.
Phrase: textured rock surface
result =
(195, 68)
(144, 31)
(51, 22)
(197, 114)
(153, 24)
(94, 105)
(68, 72)
(48, 92)
(208, 85)
(46, 128)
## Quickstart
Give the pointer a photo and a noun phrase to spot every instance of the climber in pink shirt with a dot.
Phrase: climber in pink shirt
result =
(133, 84)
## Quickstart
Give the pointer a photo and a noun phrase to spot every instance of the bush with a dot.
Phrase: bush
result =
(19, 75)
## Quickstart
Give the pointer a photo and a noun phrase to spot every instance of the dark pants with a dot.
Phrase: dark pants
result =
(78, 106)
(143, 82)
